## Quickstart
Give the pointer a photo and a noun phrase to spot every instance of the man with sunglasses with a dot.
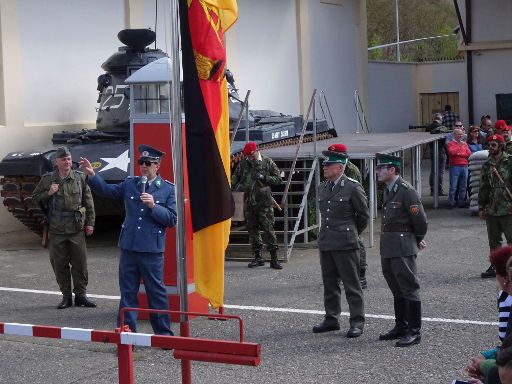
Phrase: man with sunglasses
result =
(495, 197)
(150, 206)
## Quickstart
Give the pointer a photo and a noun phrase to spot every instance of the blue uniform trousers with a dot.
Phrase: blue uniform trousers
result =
(149, 266)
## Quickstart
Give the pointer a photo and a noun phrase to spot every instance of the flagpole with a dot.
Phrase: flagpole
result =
(177, 148)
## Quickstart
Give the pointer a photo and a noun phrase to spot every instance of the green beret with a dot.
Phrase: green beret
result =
(62, 152)
(384, 159)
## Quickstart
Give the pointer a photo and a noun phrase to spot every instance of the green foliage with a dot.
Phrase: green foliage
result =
(417, 19)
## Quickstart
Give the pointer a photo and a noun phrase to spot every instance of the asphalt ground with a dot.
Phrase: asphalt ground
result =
(279, 309)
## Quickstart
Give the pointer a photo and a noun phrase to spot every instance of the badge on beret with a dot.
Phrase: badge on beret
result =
(414, 209)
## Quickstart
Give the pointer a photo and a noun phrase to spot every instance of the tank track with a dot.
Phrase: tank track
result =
(284, 143)
(17, 190)
(17, 197)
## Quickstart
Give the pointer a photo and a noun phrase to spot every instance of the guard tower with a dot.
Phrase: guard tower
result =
(150, 124)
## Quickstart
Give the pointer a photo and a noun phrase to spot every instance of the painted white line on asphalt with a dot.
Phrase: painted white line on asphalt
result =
(272, 309)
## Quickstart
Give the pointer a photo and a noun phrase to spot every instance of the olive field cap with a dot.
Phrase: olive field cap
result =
(385, 159)
(62, 152)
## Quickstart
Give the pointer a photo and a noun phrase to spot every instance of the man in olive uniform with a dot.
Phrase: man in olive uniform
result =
(404, 226)
(150, 207)
(253, 176)
(353, 172)
(507, 136)
(343, 216)
(68, 200)
(494, 197)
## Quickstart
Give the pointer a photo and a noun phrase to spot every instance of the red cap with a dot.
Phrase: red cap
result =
(497, 138)
(499, 258)
(337, 148)
(250, 148)
(500, 125)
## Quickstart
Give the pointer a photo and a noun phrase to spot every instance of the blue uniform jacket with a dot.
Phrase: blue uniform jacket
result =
(143, 229)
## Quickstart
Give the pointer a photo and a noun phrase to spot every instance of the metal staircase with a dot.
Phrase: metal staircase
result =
(301, 178)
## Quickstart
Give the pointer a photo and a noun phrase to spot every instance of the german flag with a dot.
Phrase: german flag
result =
(203, 23)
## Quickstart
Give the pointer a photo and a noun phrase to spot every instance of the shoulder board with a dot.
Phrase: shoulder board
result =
(352, 180)
(47, 174)
(130, 177)
(79, 172)
(405, 185)
(168, 182)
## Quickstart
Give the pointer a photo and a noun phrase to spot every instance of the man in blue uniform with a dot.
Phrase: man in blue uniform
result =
(150, 206)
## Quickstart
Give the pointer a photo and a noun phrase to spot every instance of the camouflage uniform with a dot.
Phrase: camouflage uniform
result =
(258, 210)
(353, 172)
(494, 200)
(70, 210)
(508, 147)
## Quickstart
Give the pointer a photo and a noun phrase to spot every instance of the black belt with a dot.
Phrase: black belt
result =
(396, 228)
(63, 213)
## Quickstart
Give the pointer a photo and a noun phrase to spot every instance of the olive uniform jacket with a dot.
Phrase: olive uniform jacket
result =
(343, 215)
(493, 197)
(73, 201)
(404, 222)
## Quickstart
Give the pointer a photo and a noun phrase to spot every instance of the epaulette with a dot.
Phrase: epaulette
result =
(130, 177)
(168, 182)
(353, 180)
(79, 172)
(405, 185)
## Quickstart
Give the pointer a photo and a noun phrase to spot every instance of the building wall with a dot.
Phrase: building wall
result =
(491, 20)
(337, 59)
(395, 88)
(262, 54)
(491, 75)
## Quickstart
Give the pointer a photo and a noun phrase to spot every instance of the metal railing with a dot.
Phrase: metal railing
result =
(361, 122)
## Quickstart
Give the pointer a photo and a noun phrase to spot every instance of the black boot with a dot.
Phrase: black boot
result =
(274, 263)
(83, 301)
(400, 328)
(362, 279)
(490, 272)
(258, 261)
(413, 335)
(67, 301)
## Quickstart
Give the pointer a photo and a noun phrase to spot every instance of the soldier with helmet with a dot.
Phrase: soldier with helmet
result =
(495, 197)
(343, 216)
(254, 175)
(404, 226)
(67, 198)
(150, 206)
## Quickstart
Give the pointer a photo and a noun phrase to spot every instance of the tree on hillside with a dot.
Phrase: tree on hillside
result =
(417, 19)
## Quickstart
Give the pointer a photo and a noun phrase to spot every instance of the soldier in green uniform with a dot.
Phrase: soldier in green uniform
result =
(68, 200)
(404, 225)
(343, 216)
(353, 172)
(494, 195)
(254, 175)
(508, 139)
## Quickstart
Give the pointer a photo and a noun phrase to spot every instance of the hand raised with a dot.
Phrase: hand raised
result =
(86, 166)
(54, 188)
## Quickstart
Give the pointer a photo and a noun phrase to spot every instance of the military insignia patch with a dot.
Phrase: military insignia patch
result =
(414, 209)
(395, 189)
(157, 183)
(145, 153)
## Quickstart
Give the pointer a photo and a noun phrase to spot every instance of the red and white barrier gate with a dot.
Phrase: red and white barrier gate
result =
(185, 348)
